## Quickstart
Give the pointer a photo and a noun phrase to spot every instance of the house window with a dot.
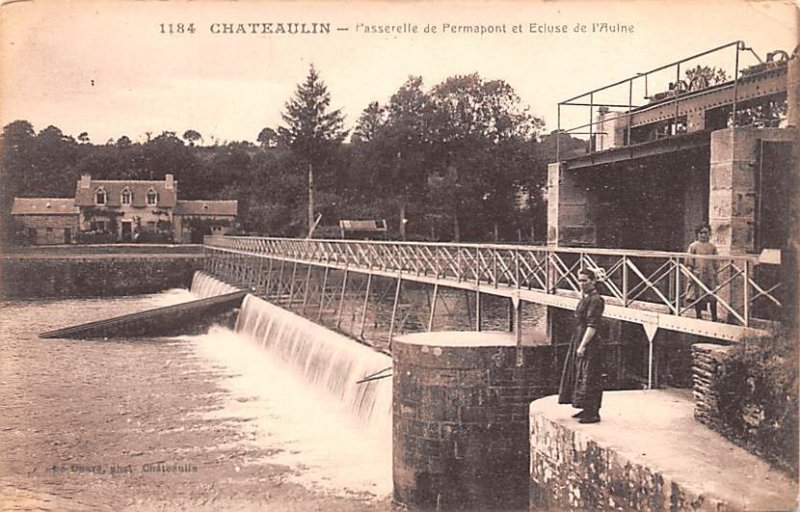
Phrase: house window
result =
(126, 196)
(100, 196)
(152, 197)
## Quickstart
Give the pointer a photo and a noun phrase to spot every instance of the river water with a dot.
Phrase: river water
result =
(330, 433)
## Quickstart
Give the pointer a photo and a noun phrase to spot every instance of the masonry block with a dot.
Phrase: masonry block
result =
(461, 418)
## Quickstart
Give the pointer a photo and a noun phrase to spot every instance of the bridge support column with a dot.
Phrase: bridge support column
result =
(569, 221)
(737, 164)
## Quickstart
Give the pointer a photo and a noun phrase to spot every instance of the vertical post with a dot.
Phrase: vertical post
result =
(291, 285)
(650, 364)
(547, 270)
(746, 292)
(629, 117)
(268, 284)
(279, 288)
(591, 122)
(518, 321)
(625, 281)
(469, 311)
(735, 85)
(677, 99)
(494, 267)
(305, 292)
(510, 314)
(433, 306)
(341, 299)
(678, 293)
(366, 303)
(322, 294)
(558, 134)
(478, 307)
(394, 306)
(459, 265)
(260, 276)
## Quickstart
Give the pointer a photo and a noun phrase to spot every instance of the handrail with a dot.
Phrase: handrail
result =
(575, 250)
(633, 278)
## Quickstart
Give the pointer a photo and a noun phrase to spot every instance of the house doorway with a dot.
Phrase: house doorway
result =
(127, 230)
(67, 235)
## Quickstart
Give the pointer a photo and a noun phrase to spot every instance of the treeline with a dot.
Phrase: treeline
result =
(463, 160)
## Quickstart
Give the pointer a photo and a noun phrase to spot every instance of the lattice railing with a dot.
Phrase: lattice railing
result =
(746, 289)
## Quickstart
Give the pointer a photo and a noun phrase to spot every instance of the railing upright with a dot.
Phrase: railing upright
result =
(746, 293)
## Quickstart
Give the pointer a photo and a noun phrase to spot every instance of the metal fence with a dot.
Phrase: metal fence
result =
(747, 291)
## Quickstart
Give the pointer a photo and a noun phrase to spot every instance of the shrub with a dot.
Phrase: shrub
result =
(758, 399)
(95, 237)
(149, 237)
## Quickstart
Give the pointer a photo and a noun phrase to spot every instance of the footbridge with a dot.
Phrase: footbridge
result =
(644, 287)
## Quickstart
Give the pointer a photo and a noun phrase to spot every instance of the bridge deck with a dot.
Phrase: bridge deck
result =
(645, 287)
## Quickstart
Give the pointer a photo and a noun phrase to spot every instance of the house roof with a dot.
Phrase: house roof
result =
(43, 206)
(84, 196)
(201, 207)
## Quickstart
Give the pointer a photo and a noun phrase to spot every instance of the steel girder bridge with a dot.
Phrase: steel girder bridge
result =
(644, 287)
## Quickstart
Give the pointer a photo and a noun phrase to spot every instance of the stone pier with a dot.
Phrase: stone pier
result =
(647, 454)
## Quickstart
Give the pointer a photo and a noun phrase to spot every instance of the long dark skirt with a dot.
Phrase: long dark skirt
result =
(582, 377)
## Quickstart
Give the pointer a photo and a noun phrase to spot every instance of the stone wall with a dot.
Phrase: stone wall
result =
(571, 471)
(94, 275)
(748, 394)
(707, 364)
(461, 420)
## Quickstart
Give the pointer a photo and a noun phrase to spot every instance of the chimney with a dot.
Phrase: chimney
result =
(86, 181)
(170, 182)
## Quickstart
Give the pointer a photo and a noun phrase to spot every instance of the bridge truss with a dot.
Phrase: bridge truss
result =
(644, 287)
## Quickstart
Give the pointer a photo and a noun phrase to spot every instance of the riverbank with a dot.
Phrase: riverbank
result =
(98, 249)
(96, 270)
(132, 425)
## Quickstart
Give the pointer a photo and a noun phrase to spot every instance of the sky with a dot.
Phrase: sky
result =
(111, 67)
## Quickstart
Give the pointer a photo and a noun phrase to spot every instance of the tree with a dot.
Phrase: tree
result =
(268, 138)
(83, 138)
(481, 135)
(405, 135)
(16, 147)
(312, 131)
(371, 120)
(192, 136)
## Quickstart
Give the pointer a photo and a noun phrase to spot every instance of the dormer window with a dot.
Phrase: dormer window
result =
(152, 197)
(100, 196)
(126, 196)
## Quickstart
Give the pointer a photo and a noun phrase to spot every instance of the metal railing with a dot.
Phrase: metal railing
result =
(680, 90)
(746, 290)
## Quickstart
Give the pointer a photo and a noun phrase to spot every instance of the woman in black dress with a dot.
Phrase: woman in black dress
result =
(582, 376)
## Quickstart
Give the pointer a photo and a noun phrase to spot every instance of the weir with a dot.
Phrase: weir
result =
(205, 286)
(353, 374)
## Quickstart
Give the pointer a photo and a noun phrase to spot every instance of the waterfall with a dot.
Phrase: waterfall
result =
(205, 286)
(327, 360)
